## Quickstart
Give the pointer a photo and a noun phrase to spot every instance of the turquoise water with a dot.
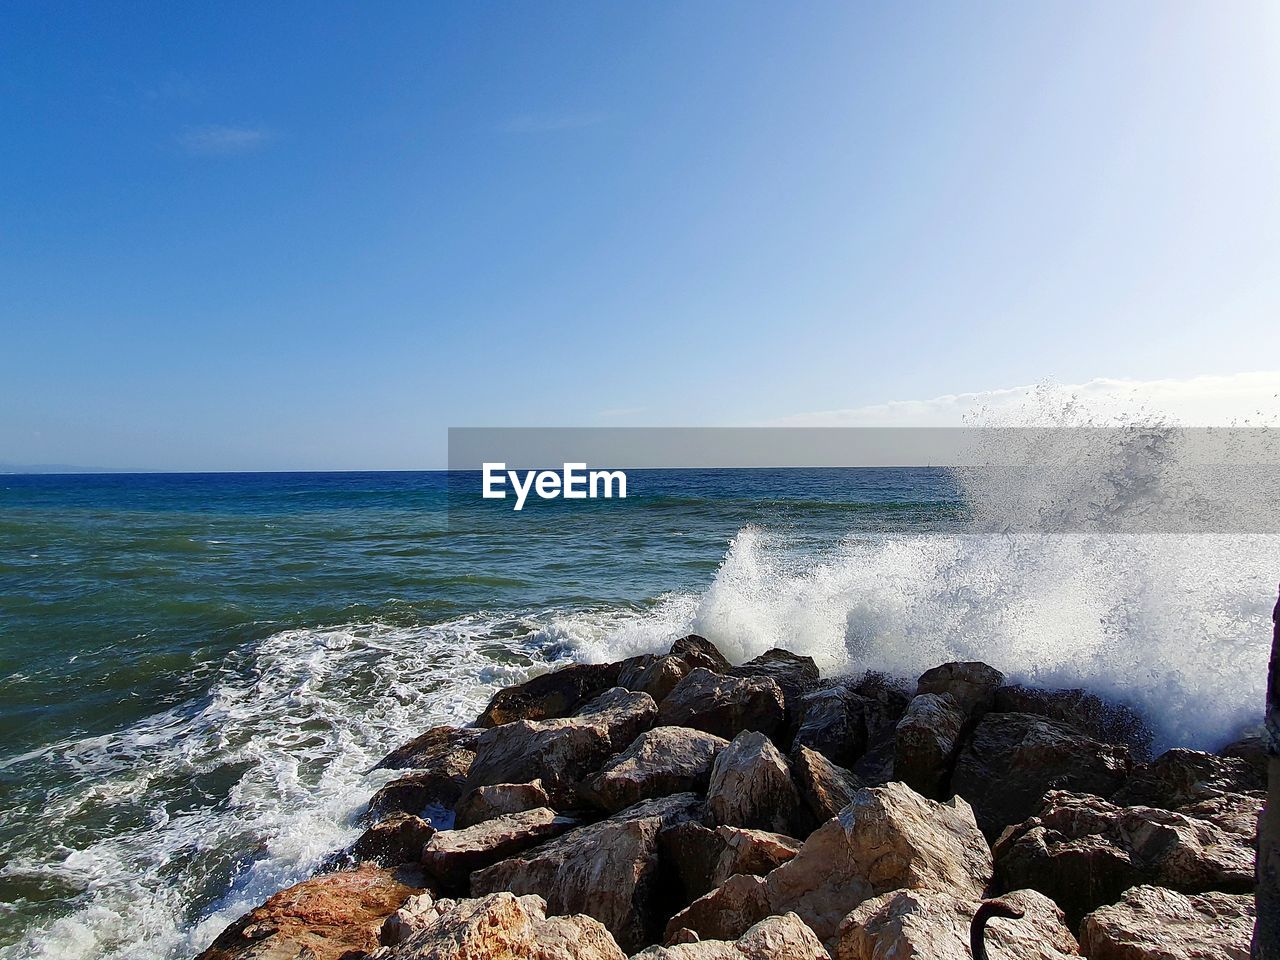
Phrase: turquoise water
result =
(197, 672)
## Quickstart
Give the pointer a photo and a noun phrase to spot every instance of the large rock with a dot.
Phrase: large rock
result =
(550, 695)
(700, 652)
(500, 925)
(888, 838)
(926, 742)
(562, 752)
(724, 705)
(451, 855)
(1236, 813)
(751, 786)
(825, 788)
(444, 749)
(972, 684)
(1152, 923)
(1084, 852)
(794, 674)
(397, 839)
(320, 918)
(703, 858)
(427, 793)
(1013, 758)
(774, 938)
(1252, 749)
(935, 925)
(658, 676)
(485, 803)
(832, 723)
(1090, 714)
(1179, 777)
(608, 870)
(661, 761)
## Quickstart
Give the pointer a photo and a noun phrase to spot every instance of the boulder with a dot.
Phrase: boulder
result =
(1152, 923)
(935, 925)
(661, 761)
(550, 696)
(832, 723)
(321, 918)
(875, 767)
(726, 912)
(451, 855)
(700, 652)
(793, 673)
(1084, 852)
(703, 858)
(825, 788)
(500, 925)
(1090, 714)
(751, 786)
(485, 803)
(443, 749)
(1179, 777)
(660, 676)
(565, 751)
(609, 870)
(774, 938)
(926, 741)
(1252, 749)
(724, 705)
(397, 839)
(1013, 758)
(1236, 813)
(881, 701)
(428, 793)
(972, 684)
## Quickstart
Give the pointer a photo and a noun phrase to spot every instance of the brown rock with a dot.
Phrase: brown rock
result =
(794, 675)
(485, 803)
(1013, 758)
(875, 767)
(661, 761)
(660, 676)
(926, 742)
(320, 918)
(751, 786)
(1152, 923)
(397, 839)
(1091, 715)
(703, 859)
(1252, 749)
(724, 705)
(832, 723)
(1180, 777)
(1236, 813)
(550, 695)
(774, 938)
(726, 912)
(973, 685)
(425, 792)
(825, 788)
(700, 652)
(443, 749)
(451, 855)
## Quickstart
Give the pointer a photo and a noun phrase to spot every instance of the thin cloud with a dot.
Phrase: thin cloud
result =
(222, 141)
(549, 122)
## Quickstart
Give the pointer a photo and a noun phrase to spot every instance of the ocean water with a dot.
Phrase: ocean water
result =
(197, 672)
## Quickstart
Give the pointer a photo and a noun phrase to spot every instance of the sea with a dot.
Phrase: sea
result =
(198, 672)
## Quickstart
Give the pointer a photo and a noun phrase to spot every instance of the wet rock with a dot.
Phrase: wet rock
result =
(320, 918)
(972, 684)
(552, 695)
(774, 938)
(934, 925)
(1084, 852)
(495, 800)
(424, 792)
(660, 676)
(451, 855)
(659, 762)
(793, 673)
(1152, 923)
(562, 752)
(608, 870)
(926, 742)
(832, 723)
(1012, 759)
(751, 786)
(1180, 777)
(703, 858)
(825, 788)
(1252, 749)
(1091, 715)
(724, 705)
(397, 839)
(447, 750)
(700, 652)
(875, 767)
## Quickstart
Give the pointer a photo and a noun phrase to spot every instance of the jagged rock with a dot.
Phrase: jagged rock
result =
(881, 700)
(724, 705)
(660, 676)
(485, 803)
(1252, 749)
(1180, 777)
(703, 858)
(1084, 852)
(320, 918)
(973, 684)
(446, 750)
(497, 926)
(1152, 923)
(825, 788)
(661, 761)
(425, 792)
(875, 767)
(793, 674)
(700, 652)
(926, 741)
(397, 839)
(1013, 758)
(751, 786)
(1091, 715)
(774, 938)
(562, 752)
(832, 723)
(415, 913)
(550, 696)
(934, 925)
(887, 838)
(608, 870)
(451, 855)
(1236, 813)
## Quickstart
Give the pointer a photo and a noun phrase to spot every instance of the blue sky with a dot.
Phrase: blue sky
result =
(273, 236)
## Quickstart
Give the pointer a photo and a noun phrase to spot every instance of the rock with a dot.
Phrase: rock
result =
(425, 792)
(700, 652)
(562, 752)
(881, 700)
(1084, 852)
(443, 749)
(973, 685)
(793, 674)
(926, 742)
(1091, 715)
(1252, 749)
(397, 839)
(934, 925)
(888, 838)
(1013, 758)
(1152, 923)
(832, 723)
(321, 918)
(451, 855)
(552, 695)
(499, 926)
(660, 677)
(825, 788)
(774, 938)
(485, 803)
(751, 786)
(661, 761)
(1180, 777)
(724, 705)
(415, 913)
(703, 858)
(875, 767)
(608, 870)
(1236, 813)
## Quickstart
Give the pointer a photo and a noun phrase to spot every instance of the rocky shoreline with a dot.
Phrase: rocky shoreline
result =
(680, 807)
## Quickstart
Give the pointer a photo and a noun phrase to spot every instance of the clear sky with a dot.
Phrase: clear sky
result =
(273, 236)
